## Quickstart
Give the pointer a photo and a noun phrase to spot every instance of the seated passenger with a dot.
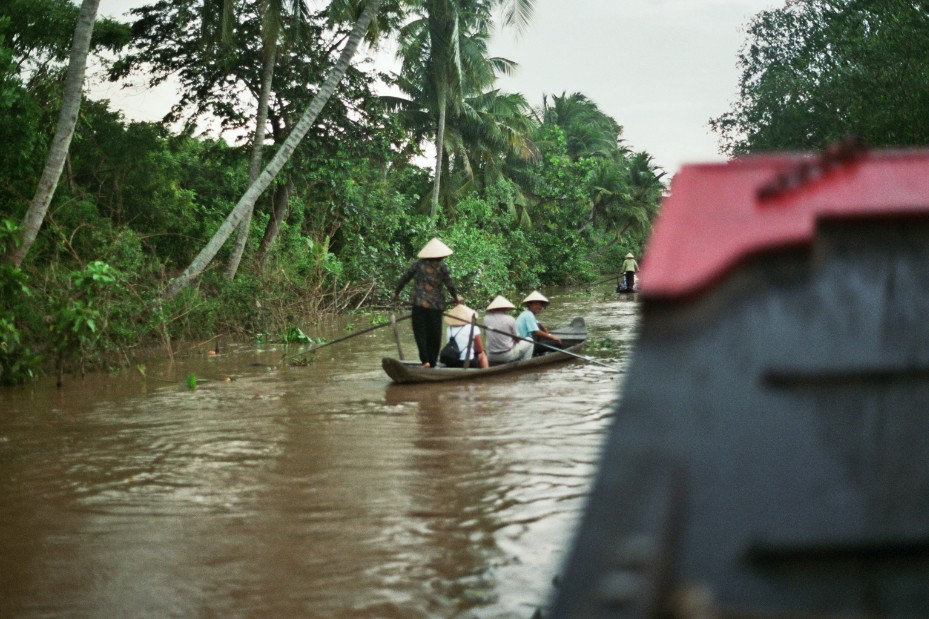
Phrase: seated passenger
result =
(503, 343)
(528, 326)
(460, 328)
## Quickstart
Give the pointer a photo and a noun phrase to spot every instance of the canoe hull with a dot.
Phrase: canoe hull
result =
(407, 372)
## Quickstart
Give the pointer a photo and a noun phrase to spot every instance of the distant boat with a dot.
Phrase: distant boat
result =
(573, 335)
(622, 288)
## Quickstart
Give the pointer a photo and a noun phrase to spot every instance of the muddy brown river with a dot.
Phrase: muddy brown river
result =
(319, 491)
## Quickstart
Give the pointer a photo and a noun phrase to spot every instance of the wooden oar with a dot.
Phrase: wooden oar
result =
(609, 279)
(543, 344)
(467, 359)
(556, 349)
(348, 337)
(393, 323)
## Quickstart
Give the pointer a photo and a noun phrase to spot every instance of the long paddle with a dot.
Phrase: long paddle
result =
(608, 279)
(561, 350)
(543, 344)
(393, 323)
(348, 337)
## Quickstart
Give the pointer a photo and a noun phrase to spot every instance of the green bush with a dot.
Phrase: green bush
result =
(18, 315)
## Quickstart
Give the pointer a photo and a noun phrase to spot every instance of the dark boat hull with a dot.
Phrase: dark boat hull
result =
(770, 452)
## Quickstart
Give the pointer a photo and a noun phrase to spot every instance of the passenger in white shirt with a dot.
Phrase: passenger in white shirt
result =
(460, 328)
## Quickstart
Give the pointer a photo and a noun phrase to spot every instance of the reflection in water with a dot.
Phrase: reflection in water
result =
(319, 491)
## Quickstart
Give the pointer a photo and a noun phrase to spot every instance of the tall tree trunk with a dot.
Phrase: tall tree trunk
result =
(281, 201)
(439, 152)
(247, 201)
(67, 119)
(254, 168)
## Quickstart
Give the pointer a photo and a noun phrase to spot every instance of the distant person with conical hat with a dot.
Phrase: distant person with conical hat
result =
(503, 343)
(528, 326)
(461, 329)
(630, 268)
(430, 277)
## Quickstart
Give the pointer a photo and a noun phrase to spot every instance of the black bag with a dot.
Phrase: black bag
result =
(450, 353)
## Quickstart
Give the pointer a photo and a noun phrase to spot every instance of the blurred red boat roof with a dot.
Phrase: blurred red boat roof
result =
(717, 215)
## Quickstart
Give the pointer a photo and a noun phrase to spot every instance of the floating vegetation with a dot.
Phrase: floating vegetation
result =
(295, 335)
(304, 361)
(379, 319)
(603, 343)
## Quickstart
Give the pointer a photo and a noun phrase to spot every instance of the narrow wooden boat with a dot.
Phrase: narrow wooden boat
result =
(573, 335)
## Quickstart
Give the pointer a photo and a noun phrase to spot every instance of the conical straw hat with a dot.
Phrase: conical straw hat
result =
(535, 295)
(500, 302)
(435, 249)
(629, 255)
(460, 315)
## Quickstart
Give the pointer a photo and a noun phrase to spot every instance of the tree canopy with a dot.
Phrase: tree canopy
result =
(530, 197)
(815, 71)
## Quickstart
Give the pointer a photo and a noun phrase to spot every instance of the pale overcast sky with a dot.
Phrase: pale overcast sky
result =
(661, 68)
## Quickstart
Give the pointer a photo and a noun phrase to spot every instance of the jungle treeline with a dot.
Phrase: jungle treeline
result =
(285, 184)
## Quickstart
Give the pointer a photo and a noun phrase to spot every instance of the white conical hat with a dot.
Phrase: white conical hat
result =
(460, 315)
(629, 255)
(435, 249)
(535, 295)
(500, 302)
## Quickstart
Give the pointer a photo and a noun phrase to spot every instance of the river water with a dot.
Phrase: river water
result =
(319, 491)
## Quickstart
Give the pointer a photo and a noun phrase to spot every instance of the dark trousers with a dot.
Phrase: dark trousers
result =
(427, 329)
(539, 349)
(630, 279)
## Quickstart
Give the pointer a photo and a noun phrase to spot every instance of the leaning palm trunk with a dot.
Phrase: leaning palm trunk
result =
(254, 169)
(439, 151)
(247, 201)
(67, 119)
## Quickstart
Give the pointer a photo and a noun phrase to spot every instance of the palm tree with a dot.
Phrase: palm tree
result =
(247, 201)
(626, 193)
(443, 28)
(272, 14)
(588, 131)
(433, 50)
(67, 119)
(491, 139)
(624, 189)
(646, 189)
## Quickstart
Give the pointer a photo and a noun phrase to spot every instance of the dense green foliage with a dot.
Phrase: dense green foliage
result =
(529, 198)
(815, 71)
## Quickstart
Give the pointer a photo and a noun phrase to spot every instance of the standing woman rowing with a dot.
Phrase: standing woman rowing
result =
(430, 276)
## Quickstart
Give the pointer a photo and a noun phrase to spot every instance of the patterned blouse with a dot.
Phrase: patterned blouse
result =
(428, 275)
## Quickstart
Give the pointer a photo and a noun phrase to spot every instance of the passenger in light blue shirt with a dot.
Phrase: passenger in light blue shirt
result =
(528, 326)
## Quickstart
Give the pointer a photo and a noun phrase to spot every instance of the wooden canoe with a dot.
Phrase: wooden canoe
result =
(573, 335)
